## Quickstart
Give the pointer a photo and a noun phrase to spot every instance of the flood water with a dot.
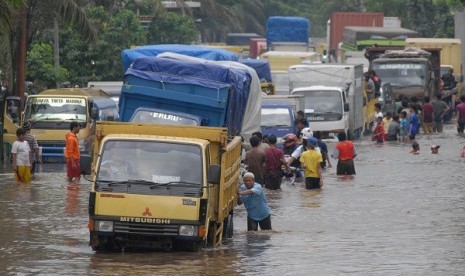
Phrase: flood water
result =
(402, 214)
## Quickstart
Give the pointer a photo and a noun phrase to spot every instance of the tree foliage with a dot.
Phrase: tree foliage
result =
(40, 66)
(172, 28)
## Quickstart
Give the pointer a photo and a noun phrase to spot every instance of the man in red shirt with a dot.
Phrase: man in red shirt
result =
(345, 153)
(427, 115)
(275, 161)
(72, 154)
(460, 111)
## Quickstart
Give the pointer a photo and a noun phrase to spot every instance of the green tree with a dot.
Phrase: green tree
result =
(171, 28)
(31, 20)
(101, 61)
(40, 68)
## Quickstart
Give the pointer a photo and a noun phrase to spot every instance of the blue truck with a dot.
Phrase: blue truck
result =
(287, 33)
(217, 94)
(277, 119)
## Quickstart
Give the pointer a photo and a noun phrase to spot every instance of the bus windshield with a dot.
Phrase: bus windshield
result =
(401, 74)
(54, 109)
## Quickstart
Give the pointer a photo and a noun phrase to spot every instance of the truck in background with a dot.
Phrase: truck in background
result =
(111, 87)
(162, 186)
(282, 60)
(357, 39)
(334, 99)
(262, 68)
(409, 72)
(50, 113)
(451, 56)
(279, 114)
(339, 20)
(287, 33)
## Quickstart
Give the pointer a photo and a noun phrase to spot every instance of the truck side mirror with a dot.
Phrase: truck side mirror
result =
(346, 107)
(214, 173)
(93, 113)
(86, 164)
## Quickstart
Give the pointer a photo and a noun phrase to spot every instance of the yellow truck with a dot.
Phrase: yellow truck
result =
(282, 60)
(451, 53)
(50, 113)
(162, 186)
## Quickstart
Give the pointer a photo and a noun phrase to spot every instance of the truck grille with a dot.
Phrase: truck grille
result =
(146, 229)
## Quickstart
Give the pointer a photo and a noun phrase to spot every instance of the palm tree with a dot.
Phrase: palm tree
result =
(19, 35)
(222, 17)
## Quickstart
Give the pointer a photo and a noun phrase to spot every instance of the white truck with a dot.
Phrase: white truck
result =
(333, 95)
(295, 101)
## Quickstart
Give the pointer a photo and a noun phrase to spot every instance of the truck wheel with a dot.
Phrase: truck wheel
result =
(228, 227)
(349, 135)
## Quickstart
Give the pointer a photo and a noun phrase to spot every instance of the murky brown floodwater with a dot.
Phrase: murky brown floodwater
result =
(401, 215)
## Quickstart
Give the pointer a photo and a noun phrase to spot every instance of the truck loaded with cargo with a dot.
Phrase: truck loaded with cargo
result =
(220, 93)
(450, 57)
(287, 33)
(334, 99)
(162, 186)
(409, 72)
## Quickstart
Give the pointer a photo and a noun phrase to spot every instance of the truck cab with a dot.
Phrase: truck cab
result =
(162, 186)
(326, 109)
(408, 72)
(277, 119)
(50, 113)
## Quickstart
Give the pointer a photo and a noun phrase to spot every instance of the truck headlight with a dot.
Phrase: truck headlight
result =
(104, 226)
(188, 230)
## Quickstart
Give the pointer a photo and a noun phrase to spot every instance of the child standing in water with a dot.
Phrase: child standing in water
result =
(404, 126)
(378, 133)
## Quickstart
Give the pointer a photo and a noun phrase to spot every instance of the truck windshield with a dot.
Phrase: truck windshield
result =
(142, 165)
(145, 116)
(53, 109)
(401, 74)
(275, 116)
(322, 101)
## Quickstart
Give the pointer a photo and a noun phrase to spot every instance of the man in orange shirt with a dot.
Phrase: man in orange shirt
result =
(72, 154)
(345, 153)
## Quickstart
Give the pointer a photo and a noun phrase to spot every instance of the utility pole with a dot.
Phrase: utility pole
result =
(56, 47)
(21, 56)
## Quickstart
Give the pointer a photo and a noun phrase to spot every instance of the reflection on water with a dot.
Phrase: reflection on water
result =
(401, 214)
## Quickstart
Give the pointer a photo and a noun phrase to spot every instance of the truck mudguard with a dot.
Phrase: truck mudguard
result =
(129, 55)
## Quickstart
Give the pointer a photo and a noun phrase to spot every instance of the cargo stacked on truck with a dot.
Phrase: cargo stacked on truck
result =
(177, 185)
(162, 186)
(51, 112)
(333, 97)
(262, 67)
(409, 72)
(220, 93)
(451, 56)
(287, 33)
(358, 42)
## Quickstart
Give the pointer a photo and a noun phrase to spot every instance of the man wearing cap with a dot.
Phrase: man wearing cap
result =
(252, 195)
(311, 162)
